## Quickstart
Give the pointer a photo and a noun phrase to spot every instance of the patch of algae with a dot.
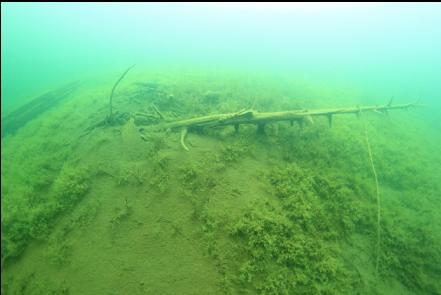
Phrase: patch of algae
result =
(290, 212)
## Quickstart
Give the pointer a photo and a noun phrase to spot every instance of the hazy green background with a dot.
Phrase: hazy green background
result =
(386, 49)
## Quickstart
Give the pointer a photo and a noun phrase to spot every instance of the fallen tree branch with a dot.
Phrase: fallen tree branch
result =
(261, 119)
(255, 117)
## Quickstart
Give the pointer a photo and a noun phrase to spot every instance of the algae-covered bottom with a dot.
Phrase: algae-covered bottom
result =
(96, 208)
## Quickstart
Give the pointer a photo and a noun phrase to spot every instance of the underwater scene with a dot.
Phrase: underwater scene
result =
(223, 148)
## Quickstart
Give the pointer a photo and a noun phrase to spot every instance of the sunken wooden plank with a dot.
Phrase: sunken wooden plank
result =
(19, 117)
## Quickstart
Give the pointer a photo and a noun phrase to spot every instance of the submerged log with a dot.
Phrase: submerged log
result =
(19, 117)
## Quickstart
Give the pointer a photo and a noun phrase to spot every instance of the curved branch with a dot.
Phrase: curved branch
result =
(113, 90)
(184, 132)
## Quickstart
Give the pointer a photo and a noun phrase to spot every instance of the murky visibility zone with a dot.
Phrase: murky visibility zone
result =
(220, 148)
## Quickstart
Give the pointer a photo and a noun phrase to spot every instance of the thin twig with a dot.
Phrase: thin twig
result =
(377, 193)
(113, 90)
(158, 112)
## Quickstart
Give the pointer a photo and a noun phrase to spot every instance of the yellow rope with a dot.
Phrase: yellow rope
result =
(377, 191)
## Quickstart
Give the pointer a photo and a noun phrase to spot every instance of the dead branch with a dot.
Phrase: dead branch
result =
(255, 117)
(261, 119)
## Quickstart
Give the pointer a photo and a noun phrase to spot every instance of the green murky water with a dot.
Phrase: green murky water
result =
(132, 202)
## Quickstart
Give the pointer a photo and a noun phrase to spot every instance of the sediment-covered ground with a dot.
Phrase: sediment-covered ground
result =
(90, 208)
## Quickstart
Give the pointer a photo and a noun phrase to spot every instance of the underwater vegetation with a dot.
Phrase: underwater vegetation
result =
(92, 205)
(35, 219)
